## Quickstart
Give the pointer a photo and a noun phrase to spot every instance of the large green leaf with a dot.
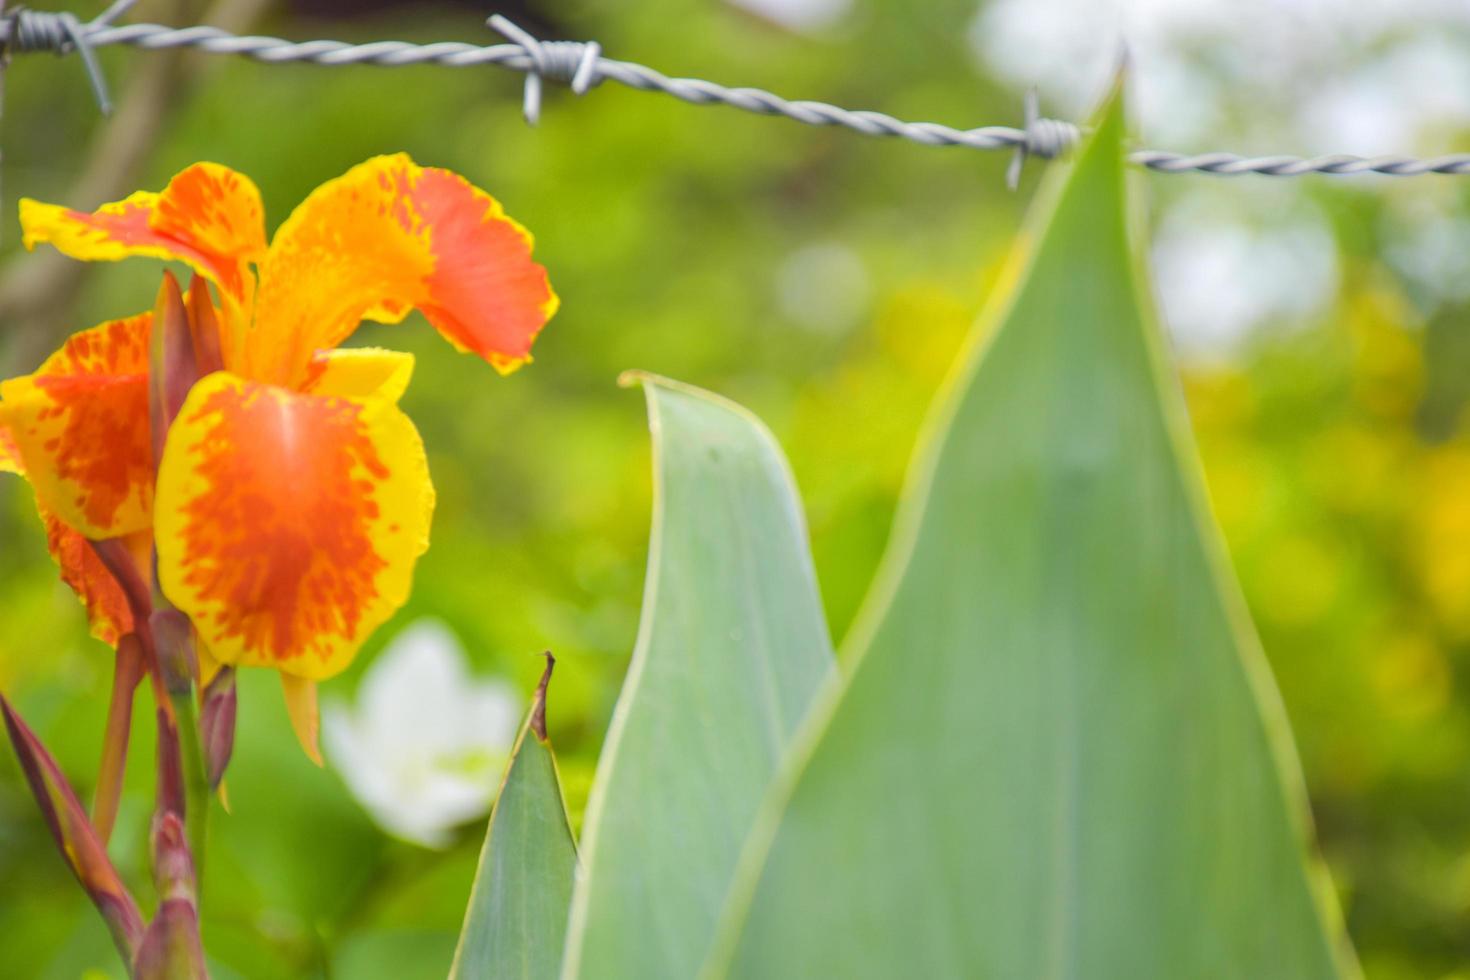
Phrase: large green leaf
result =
(732, 647)
(517, 918)
(1060, 752)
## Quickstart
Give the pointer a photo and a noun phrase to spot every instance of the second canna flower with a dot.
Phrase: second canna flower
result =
(284, 494)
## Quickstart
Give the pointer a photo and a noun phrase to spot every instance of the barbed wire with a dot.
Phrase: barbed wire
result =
(580, 65)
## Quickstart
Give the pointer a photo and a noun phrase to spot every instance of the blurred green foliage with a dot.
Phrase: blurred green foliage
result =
(824, 280)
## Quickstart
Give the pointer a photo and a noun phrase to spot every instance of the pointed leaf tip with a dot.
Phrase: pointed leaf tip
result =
(537, 720)
(515, 925)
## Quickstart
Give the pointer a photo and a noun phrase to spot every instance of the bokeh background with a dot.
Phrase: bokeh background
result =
(1322, 327)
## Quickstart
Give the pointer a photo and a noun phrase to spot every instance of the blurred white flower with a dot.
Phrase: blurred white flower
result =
(424, 748)
(798, 15)
(1225, 266)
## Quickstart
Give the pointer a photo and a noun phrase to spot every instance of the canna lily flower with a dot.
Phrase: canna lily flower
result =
(284, 494)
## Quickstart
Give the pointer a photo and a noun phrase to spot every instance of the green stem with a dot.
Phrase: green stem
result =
(196, 781)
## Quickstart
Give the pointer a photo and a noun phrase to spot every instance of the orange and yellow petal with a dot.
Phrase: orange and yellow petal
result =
(80, 428)
(208, 216)
(359, 372)
(287, 523)
(387, 237)
(107, 606)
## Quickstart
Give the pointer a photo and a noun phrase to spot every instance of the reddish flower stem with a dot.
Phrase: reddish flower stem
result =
(127, 672)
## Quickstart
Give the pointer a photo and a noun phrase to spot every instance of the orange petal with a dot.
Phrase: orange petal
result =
(107, 606)
(306, 720)
(288, 524)
(386, 237)
(359, 372)
(208, 216)
(81, 426)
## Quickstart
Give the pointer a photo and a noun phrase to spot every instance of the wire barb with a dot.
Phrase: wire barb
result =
(581, 65)
(572, 62)
(23, 30)
(1042, 137)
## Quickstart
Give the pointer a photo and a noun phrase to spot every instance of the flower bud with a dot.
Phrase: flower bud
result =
(172, 368)
(217, 724)
(74, 835)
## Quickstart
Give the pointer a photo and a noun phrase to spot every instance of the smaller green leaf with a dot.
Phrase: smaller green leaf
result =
(517, 918)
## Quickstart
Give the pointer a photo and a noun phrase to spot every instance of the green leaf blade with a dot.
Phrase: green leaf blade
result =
(515, 925)
(1067, 753)
(732, 648)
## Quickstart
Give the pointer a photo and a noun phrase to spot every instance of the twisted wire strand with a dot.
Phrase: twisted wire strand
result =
(23, 30)
(581, 64)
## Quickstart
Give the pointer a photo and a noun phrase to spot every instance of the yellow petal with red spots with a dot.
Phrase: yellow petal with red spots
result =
(387, 237)
(9, 453)
(80, 426)
(208, 216)
(107, 606)
(288, 524)
(359, 372)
